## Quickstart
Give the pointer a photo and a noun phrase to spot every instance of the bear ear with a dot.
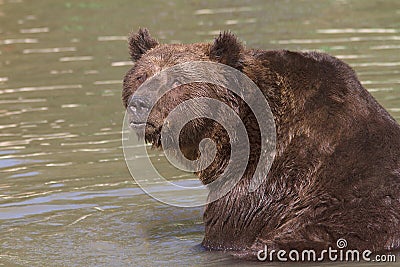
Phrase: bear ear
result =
(227, 49)
(140, 43)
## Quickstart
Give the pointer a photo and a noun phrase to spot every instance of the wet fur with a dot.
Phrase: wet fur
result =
(337, 169)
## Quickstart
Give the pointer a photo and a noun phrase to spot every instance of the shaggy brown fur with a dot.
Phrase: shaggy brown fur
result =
(336, 173)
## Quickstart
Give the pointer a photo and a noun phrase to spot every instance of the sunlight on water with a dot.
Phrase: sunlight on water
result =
(112, 38)
(338, 40)
(18, 41)
(49, 50)
(350, 30)
(40, 88)
(78, 58)
(35, 30)
(223, 10)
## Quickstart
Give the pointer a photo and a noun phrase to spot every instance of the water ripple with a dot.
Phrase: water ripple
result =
(78, 58)
(49, 50)
(337, 40)
(354, 30)
(107, 82)
(380, 47)
(26, 100)
(29, 138)
(40, 88)
(376, 64)
(111, 38)
(121, 63)
(224, 10)
(19, 41)
(35, 30)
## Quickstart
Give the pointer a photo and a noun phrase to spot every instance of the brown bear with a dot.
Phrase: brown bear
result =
(336, 173)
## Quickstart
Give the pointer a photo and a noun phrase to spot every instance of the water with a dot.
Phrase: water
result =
(66, 196)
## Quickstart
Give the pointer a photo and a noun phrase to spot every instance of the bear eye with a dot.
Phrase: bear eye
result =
(176, 83)
(141, 78)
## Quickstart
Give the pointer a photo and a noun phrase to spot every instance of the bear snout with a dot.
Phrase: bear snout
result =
(138, 108)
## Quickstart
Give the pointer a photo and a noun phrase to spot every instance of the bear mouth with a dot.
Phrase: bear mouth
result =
(137, 125)
(147, 131)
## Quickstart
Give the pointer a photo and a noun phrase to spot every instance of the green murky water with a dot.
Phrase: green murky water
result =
(66, 196)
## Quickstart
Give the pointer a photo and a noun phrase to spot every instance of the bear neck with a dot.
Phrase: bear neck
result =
(236, 218)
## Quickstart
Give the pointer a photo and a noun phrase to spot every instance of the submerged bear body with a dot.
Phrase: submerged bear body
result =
(336, 172)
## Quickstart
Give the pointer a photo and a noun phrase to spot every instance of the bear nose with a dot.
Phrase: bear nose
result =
(139, 105)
